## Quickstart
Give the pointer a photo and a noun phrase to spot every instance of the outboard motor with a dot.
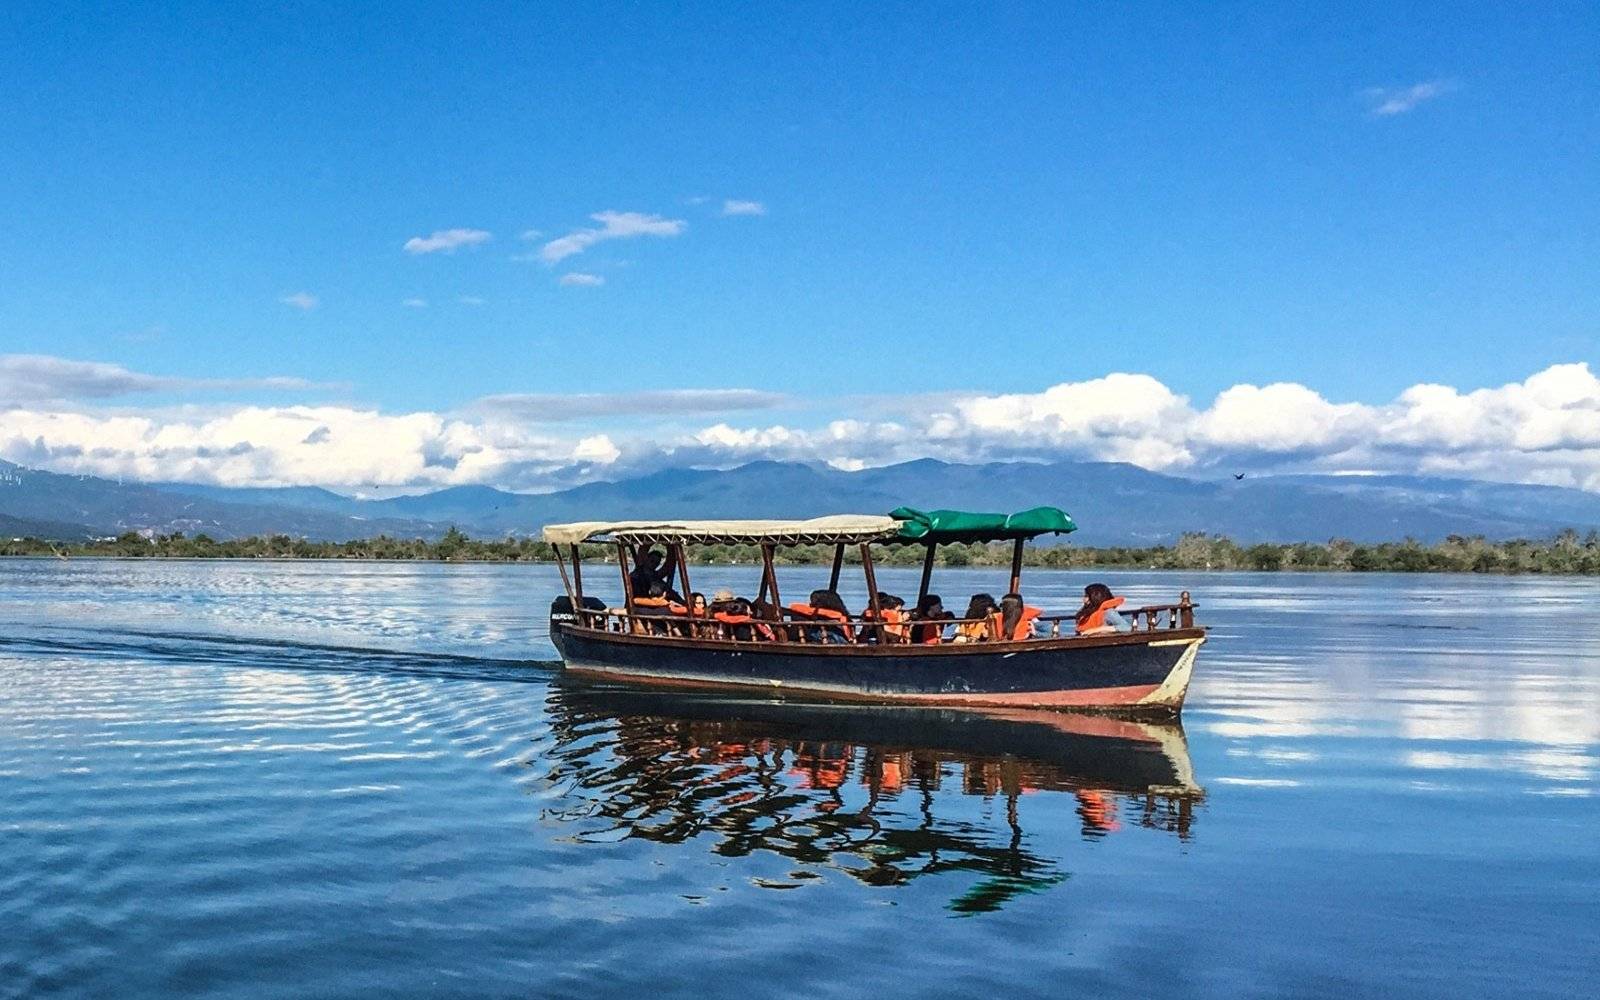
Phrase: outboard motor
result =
(561, 609)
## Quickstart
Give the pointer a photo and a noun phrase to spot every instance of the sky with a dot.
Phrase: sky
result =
(417, 245)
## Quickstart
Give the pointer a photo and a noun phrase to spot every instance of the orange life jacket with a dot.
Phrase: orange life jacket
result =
(826, 614)
(978, 630)
(1024, 629)
(658, 602)
(892, 619)
(1098, 618)
(760, 627)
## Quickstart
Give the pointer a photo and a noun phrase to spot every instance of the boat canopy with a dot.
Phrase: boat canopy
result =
(832, 530)
(904, 524)
(940, 526)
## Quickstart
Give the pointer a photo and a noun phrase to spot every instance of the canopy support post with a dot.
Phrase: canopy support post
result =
(838, 564)
(769, 582)
(683, 572)
(927, 573)
(1016, 568)
(577, 582)
(566, 582)
(872, 591)
(627, 581)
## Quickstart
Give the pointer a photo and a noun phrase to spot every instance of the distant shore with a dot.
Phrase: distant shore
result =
(1566, 554)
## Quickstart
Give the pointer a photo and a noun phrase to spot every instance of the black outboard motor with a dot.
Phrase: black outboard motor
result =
(561, 608)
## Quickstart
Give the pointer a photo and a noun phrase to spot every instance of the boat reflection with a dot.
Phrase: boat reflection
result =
(877, 793)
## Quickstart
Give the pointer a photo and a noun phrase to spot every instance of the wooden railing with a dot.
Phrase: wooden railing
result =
(798, 629)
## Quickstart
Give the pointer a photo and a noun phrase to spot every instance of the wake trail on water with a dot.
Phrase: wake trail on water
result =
(257, 652)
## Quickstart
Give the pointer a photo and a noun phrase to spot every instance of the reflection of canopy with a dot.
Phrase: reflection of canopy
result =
(834, 529)
(963, 526)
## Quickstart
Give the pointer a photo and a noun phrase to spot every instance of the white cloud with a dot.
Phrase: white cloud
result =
(446, 241)
(580, 280)
(613, 226)
(1282, 417)
(1385, 102)
(530, 234)
(33, 378)
(414, 303)
(301, 300)
(598, 449)
(734, 207)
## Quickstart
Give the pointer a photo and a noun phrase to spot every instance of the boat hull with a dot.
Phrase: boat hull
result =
(1140, 673)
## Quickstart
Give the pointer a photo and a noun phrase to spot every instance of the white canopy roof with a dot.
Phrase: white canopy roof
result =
(831, 529)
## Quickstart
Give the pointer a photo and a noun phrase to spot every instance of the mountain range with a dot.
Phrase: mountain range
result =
(1113, 504)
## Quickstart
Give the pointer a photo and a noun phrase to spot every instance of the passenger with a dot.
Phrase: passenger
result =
(647, 570)
(763, 613)
(928, 621)
(654, 602)
(1016, 618)
(737, 618)
(891, 611)
(1098, 616)
(978, 625)
(825, 606)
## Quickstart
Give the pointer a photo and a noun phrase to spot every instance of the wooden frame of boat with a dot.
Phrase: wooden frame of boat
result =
(1145, 671)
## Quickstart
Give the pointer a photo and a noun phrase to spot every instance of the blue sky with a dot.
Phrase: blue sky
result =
(951, 201)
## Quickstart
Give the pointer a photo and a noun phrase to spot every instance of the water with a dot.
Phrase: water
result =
(292, 779)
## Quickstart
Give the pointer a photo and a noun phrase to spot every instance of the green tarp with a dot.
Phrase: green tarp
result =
(965, 526)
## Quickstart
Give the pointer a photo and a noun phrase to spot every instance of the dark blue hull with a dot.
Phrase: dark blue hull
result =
(1140, 672)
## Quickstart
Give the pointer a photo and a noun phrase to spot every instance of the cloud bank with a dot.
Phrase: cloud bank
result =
(33, 378)
(1543, 429)
(542, 407)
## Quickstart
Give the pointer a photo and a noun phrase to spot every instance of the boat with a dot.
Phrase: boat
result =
(859, 657)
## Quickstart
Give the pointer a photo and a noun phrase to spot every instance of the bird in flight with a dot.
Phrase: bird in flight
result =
(1238, 475)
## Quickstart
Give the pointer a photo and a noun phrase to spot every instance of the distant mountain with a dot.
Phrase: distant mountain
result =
(55, 531)
(304, 497)
(108, 508)
(1114, 504)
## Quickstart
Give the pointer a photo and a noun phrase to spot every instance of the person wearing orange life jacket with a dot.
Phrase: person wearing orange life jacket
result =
(1099, 616)
(825, 606)
(928, 621)
(891, 611)
(1015, 619)
(978, 623)
(736, 614)
(655, 603)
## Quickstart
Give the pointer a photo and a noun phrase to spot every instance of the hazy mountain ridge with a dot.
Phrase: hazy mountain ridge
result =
(1113, 503)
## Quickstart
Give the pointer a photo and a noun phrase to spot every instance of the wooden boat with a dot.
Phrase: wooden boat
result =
(1145, 671)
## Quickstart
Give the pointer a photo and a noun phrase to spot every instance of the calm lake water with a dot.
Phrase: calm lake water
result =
(323, 779)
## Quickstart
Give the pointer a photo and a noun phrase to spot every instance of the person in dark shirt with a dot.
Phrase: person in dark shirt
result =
(649, 570)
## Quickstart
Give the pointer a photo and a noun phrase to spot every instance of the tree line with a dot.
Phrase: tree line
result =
(1566, 553)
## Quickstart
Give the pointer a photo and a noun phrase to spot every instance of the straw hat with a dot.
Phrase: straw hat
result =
(722, 595)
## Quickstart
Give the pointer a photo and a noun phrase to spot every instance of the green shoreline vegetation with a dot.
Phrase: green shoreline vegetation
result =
(1565, 554)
